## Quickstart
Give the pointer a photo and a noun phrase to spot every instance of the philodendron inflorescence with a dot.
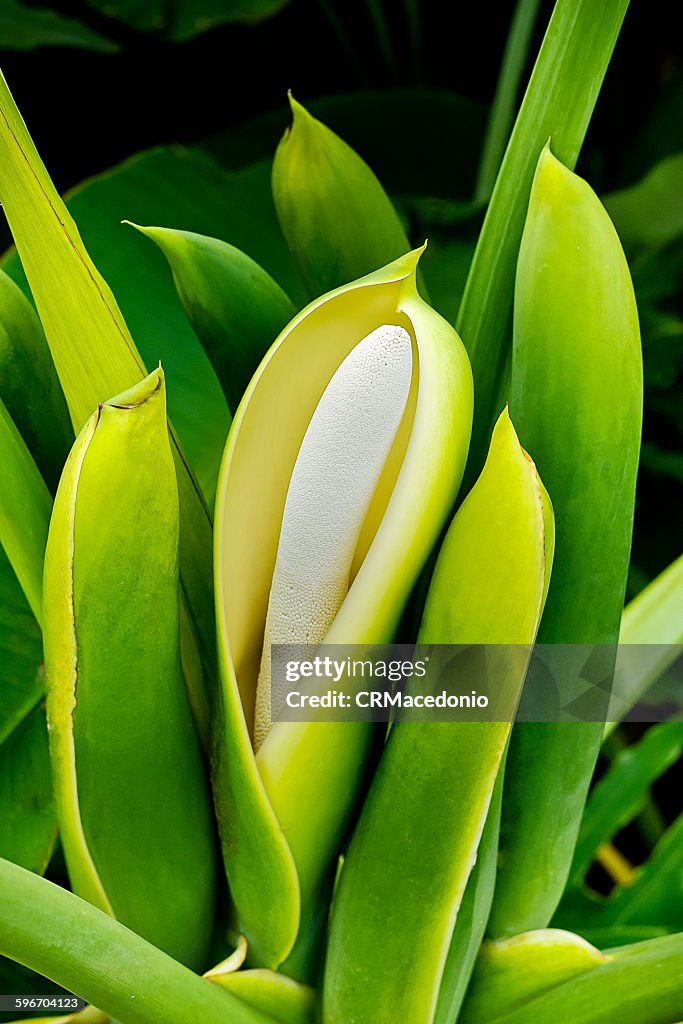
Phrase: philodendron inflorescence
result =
(344, 458)
(371, 875)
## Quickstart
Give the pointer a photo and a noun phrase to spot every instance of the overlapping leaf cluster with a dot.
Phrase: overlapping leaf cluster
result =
(461, 892)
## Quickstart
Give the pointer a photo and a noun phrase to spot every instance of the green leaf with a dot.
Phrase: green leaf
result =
(52, 931)
(185, 18)
(275, 994)
(512, 973)
(558, 103)
(337, 219)
(502, 114)
(650, 213)
(29, 385)
(235, 307)
(127, 767)
(25, 27)
(404, 876)
(21, 653)
(639, 984)
(27, 811)
(621, 792)
(655, 897)
(173, 186)
(654, 622)
(25, 507)
(473, 915)
(576, 395)
(96, 358)
(379, 124)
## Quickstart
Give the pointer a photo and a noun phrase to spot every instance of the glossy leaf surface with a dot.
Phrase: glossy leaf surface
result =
(488, 587)
(576, 396)
(126, 762)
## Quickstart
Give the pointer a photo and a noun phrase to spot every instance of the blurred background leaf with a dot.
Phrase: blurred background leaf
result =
(25, 27)
(185, 18)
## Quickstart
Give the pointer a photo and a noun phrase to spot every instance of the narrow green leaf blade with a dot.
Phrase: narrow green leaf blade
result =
(621, 792)
(653, 621)
(90, 343)
(94, 354)
(655, 897)
(558, 104)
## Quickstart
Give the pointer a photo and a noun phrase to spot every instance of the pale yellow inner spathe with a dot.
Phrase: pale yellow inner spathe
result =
(335, 476)
(267, 435)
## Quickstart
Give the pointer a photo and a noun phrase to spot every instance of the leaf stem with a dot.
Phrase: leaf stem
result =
(78, 947)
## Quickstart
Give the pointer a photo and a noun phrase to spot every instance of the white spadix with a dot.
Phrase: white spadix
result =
(336, 473)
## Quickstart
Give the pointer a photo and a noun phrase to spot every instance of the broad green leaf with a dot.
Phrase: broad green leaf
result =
(132, 800)
(25, 27)
(288, 807)
(21, 653)
(235, 307)
(27, 812)
(404, 876)
(29, 385)
(654, 622)
(512, 973)
(25, 506)
(576, 396)
(172, 186)
(96, 358)
(185, 18)
(621, 792)
(639, 984)
(558, 103)
(650, 213)
(52, 931)
(337, 219)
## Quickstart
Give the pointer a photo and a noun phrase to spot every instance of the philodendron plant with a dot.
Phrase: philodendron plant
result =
(387, 475)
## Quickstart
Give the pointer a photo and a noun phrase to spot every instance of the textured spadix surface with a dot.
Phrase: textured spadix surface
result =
(283, 814)
(335, 475)
(132, 800)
